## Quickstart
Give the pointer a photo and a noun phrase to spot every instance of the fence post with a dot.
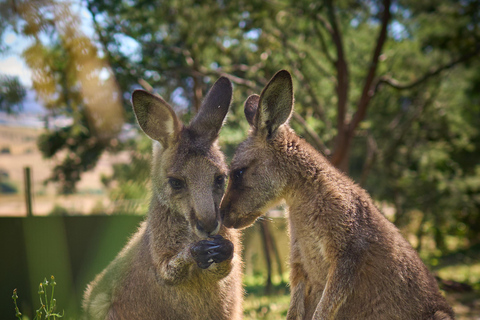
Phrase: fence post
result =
(28, 190)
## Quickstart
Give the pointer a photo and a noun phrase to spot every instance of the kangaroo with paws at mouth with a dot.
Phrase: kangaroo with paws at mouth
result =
(182, 263)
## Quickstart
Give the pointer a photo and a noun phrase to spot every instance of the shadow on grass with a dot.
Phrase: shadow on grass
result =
(460, 257)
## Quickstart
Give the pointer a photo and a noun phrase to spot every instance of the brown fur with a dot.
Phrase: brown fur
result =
(156, 275)
(347, 260)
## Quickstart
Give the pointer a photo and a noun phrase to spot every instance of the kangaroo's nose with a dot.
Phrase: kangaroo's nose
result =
(210, 228)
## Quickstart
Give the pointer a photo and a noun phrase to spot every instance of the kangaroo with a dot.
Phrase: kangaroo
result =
(347, 260)
(182, 263)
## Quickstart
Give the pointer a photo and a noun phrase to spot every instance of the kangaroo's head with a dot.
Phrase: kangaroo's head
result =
(258, 177)
(188, 170)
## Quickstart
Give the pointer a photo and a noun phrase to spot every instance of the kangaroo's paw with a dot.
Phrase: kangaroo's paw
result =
(206, 252)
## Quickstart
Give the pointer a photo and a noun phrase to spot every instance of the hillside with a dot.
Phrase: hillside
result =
(18, 150)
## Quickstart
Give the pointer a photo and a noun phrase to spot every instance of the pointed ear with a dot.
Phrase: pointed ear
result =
(250, 108)
(156, 118)
(275, 104)
(209, 119)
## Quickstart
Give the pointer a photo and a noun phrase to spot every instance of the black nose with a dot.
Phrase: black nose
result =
(207, 228)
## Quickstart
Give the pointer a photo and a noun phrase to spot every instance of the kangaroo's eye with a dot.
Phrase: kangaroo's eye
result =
(238, 174)
(176, 184)
(220, 181)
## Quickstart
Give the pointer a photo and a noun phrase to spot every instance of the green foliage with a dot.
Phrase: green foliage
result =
(81, 152)
(130, 182)
(58, 210)
(47, 302)
(12, 93)
(398, 110)
(7, 186)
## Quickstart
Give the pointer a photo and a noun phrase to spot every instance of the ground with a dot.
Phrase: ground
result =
(19, 150)
(466, 305)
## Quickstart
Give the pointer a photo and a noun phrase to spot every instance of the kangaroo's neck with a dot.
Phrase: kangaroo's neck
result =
(322, 202)
(312, 177)
(164, 219)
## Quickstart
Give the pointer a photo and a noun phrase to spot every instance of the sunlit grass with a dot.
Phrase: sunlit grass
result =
(259, 305)
(465, 273)
(266, 307)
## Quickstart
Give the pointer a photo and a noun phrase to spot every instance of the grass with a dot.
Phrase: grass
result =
(269, 307)
(260, 305)
(457, 267)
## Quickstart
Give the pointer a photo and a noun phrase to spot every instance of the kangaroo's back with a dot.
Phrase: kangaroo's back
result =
(182, 263)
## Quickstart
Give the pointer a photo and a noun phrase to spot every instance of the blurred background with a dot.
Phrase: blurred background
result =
(388, 90)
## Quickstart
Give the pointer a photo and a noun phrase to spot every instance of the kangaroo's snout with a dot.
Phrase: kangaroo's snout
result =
(211, 227)
(205, 214)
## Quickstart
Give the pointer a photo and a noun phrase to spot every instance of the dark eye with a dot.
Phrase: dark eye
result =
(176, 184)
(220, 181)
(238, 174)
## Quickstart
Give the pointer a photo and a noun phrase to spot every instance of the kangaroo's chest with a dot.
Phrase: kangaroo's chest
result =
(313, 260)
(310, 245)
(308, 249)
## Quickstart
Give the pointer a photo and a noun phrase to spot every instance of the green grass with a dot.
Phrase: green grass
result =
(457, 266)
(260, 305)
(269, 307)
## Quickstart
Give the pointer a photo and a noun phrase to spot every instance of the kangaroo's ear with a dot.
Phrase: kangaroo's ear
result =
(209, 119)
(156, 117)
(250, 108)
(275, 104)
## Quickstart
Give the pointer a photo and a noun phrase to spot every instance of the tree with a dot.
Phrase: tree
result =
(368, 78)
(70, 78)
(12, 93)
(382, 87)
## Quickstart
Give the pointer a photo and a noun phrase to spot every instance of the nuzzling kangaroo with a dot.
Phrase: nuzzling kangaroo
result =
(347, 260)
(182, 263)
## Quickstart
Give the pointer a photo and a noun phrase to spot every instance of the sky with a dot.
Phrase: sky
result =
(12, 63)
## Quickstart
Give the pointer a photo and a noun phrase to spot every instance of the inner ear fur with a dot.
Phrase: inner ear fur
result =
(275, 104)
(250, 108)
(156, 117)
(209, 119)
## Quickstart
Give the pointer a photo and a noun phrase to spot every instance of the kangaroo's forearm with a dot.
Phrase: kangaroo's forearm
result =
(296, 310)
(175, 269)
(338, 288)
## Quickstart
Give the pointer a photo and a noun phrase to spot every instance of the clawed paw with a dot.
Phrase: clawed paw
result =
(215, 250)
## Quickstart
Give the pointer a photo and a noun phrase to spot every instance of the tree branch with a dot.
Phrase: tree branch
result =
(318, 107)
(371, 156)
(339, 158)
(342, 70)
(368, 90)
(323, 43)
(432, 73)
(237, 80)
(342, 86)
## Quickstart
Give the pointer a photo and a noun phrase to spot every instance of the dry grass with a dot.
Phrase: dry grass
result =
(23, 152)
